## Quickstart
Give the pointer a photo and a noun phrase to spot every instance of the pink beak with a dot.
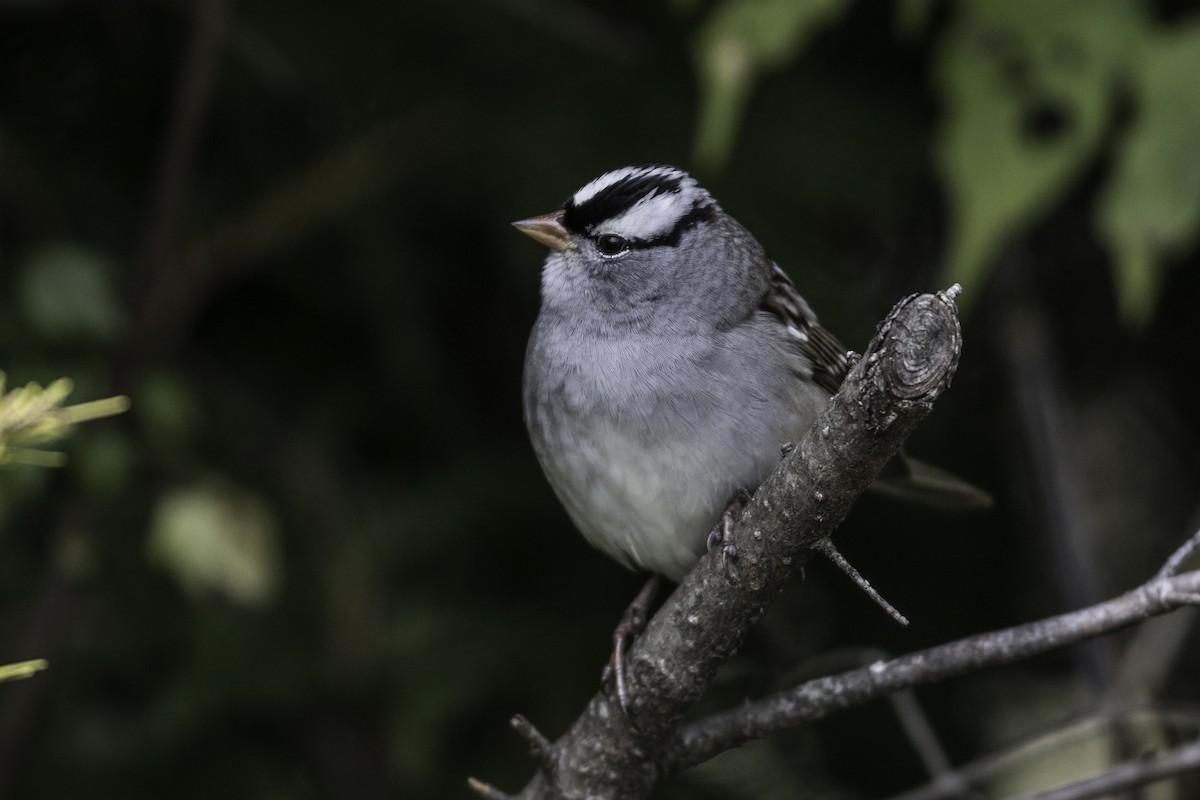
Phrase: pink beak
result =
(547, 229)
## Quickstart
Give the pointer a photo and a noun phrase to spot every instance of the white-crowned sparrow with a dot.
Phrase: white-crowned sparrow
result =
(670, 362)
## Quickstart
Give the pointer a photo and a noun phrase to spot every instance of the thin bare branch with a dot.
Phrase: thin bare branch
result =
(817, 698)
(1179, 556)
(828, 549)
(925, 742)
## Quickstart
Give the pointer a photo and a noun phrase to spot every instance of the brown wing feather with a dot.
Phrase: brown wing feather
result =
(819, 346)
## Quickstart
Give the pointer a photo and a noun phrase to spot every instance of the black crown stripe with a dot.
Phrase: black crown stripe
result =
(617, 198)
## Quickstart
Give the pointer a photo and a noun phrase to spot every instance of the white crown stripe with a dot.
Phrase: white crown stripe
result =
(651, 217)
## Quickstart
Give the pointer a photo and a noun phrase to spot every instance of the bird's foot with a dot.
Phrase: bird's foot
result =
(722, 532)
(632, 623)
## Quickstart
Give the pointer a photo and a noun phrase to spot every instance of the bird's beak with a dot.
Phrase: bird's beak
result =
(547, 229)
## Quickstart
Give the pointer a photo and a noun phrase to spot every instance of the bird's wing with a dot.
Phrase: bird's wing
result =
(822, 349)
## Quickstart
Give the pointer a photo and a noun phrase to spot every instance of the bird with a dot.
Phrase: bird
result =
(670, 361)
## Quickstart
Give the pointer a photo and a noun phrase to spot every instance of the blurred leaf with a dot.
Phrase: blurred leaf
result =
(66, 292)
(1150, 209)
(740, 40)
(1027, 88)
(216, 538)
(21, 669)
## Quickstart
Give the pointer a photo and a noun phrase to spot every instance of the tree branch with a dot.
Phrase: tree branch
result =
(706, 738)
(906, 367)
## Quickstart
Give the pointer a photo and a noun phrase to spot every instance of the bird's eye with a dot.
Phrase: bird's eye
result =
(612, 245)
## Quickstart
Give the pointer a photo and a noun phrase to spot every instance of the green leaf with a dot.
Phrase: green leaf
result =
(1027, 88)
(218, 539)
(66, 292)
(740, 40)
(1150, 209)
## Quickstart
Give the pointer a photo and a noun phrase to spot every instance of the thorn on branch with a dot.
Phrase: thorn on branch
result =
(540, 748)
(827, 549)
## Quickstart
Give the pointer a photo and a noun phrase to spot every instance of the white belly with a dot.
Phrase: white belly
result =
(649, 507)
(646, 464)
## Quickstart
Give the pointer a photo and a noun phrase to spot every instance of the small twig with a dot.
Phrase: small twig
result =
(541, 748)
(1172, 565)
(925, 742)
(827, 548)
(486, 790)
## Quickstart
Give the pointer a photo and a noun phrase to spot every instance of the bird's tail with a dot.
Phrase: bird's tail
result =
(915, 481)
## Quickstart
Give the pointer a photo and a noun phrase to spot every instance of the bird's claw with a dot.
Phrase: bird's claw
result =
(722, 532)
(632, 623)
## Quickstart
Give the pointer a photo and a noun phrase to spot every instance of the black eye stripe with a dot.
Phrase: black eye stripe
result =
(701, 213)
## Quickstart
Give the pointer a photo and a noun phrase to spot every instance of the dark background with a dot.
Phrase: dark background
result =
(317, 557)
